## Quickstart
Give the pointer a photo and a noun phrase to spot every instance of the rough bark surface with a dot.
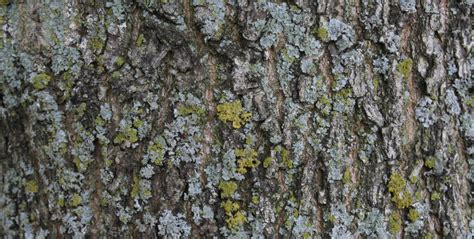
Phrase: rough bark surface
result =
(235, 118)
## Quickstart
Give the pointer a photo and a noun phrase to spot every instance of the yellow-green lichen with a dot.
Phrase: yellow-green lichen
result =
(137, 123)
(233, 112)
(428, 236)
(185, 110)
(230, 206)
(247, 159)
(41, 81)
(346, 178)
(418, 196)
(4, 2)
(400, 195)
(286, 57)
(157, 149)
(66, 85)
(413, 215)
(80, 110)
(99, 121)
(255, 199)
(76, 200)
(61, 202)
(285, 157)
(267, 162)
(321, 33)
(326, 102)
(119, 61)
(227, 188)
(249, 140)
(129, 133)
(135, 186)
(430, 162)
(103, 202)
(435, 196)
(140, 40)
(116, 75)
(236, 220)
(394, 223)
(376, 83)
(81, 166)
(31, 186)
(97, 44)
(235, 217)
(404, 67)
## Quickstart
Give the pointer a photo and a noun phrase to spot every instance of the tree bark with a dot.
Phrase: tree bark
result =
(214, 118)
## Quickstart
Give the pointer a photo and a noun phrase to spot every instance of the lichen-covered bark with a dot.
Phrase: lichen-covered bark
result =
(215, 118)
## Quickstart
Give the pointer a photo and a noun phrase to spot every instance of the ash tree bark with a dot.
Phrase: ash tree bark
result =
(240, 119)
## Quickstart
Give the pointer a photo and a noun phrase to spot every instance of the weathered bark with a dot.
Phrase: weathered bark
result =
(213, 118)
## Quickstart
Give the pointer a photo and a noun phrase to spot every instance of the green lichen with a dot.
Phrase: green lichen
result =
(135, 186)
(140, 40)
(285, 157)
(435, 196)
(147, 193)
(61, 202)
(255, 199)
(119, 61)
(376, 83)
(413, 215)
(227, 188)
(116, 75)
(394, 223)
(99, 121)
(404, 67)
(41, 81)
(286, 57)
(80, 110)
(249, 140)
(430, 162)
(321, 33)
(326, 102)
(76, 200)
(418, 196)
(129, 133)
(80, 165)
(236, 220)
(346, 178)
(413, 179)
(230, 206)
(4, 2)
(103, 202)
(66, 85)
(470, 101)
(233, 112)
(428, 236)
(97, 44)
(267, 162)
(137, 123)
(157, 148)
(185, 110)
(31, 186)
(332, 219)
(247, 159)
(397, 186)
(235, 217)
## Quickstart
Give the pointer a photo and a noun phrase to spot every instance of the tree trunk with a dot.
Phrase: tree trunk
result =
(215, 118)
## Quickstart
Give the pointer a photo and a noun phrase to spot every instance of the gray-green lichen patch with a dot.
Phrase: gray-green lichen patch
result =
(235, 119)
